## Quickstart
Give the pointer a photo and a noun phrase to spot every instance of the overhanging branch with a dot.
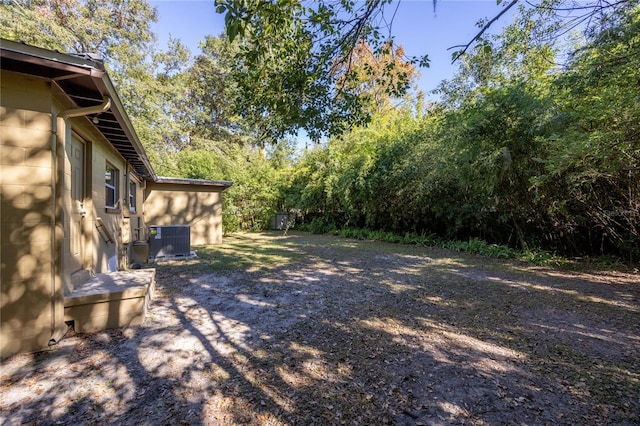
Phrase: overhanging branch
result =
(484, 28)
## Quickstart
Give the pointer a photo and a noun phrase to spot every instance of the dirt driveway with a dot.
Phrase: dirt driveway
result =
(305, 329)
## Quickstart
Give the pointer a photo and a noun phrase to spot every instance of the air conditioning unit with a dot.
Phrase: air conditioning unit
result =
(169, 242)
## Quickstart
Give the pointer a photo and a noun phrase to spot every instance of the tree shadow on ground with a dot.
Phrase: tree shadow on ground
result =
(304, 329)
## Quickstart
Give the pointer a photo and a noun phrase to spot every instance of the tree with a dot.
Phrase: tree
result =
(523, 52)
(80, 26)
(591, 172)
(380, 79)
(289, 57)
(211, 92)
(522, 151)
(117, 30)
(290, 49)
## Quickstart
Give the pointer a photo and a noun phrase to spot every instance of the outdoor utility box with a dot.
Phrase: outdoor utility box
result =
(169, 242)
(280, 221)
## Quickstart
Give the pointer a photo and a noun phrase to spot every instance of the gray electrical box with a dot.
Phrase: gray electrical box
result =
(280, 221)
(169, 242)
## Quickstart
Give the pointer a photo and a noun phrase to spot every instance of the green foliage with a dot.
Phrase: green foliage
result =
(319, 226)
(517, 156)
(478, 246)
(81, 26)
(473, 245)
(294, 63)
(540, 257)
(211, 93)
(253, 199)
(520, 153)
(118, 30)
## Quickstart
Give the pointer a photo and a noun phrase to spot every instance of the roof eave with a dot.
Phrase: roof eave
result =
(41, 56)
(199, 182)
(68, 65)
(119, 111)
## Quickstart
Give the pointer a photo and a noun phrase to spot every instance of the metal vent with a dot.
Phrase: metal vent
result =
(169, 242)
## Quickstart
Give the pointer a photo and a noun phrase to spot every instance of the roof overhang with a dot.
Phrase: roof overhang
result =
(85, 81)
(224, 184)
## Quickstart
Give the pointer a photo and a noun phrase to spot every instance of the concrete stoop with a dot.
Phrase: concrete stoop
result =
(113, 300)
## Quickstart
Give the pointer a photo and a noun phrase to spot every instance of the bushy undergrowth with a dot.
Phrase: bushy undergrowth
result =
(535, 256)
(517, 154)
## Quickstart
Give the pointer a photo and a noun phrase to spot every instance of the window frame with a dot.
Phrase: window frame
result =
(111, 185)
(133, 195)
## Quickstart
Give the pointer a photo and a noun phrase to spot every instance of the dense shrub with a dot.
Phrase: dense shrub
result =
(526, 157)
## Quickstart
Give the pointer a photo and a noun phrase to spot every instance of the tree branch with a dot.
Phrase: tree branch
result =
(484, 28)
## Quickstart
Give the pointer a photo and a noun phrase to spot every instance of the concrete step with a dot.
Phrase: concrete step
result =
(113, 300)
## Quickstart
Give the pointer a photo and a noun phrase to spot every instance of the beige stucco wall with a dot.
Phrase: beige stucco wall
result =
(29, 282)
(136, 227)
(106, 255)
(197, 206)
(101, 255)
(36, 216)
(36, 209)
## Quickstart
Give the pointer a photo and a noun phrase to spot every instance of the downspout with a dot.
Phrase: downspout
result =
(58, 332)
(77, 112)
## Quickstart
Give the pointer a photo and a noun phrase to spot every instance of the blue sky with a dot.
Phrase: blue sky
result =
(415, 26)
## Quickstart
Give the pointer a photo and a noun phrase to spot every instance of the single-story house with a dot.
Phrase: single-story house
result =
(78, 193)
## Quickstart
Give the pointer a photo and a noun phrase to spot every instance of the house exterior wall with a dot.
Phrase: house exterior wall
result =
(30, 284)
(197, 206)
(56, 226)
(136, 228)
(102, 255)
(37, 208)
(107, 256)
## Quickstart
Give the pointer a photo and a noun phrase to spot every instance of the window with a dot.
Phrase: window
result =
(132, 197)
(111, 187)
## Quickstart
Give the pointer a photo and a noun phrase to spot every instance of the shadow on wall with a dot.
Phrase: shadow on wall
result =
(106, 243)
(187, 205)
(28, 281)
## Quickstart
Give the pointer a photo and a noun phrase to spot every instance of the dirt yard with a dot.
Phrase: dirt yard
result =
(315, 330)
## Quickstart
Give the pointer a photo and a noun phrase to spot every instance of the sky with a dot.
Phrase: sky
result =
(416, 26)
